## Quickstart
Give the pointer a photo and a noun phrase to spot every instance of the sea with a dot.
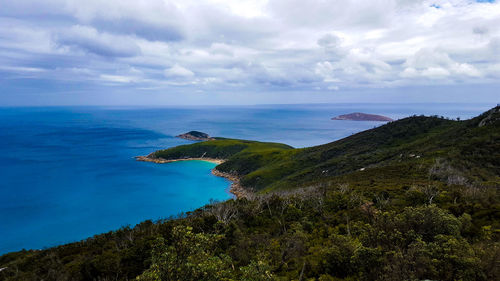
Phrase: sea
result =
(68, 173)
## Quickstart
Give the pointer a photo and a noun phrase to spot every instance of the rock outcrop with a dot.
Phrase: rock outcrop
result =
(196, 136)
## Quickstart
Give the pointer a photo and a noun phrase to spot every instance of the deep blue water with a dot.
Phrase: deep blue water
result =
(67, 173)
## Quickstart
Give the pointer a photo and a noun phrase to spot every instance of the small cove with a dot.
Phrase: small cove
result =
(68, 173)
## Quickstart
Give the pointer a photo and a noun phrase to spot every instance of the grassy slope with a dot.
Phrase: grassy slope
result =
(220, 148)
(407, 148)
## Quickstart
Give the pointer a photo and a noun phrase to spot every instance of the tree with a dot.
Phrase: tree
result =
(191, 256)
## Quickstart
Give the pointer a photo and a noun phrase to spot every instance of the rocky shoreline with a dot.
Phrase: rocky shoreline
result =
(195, 136)
(236, 189)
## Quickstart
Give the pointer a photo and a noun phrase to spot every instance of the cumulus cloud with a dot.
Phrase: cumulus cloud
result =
(266, 45)
(178, 71)
(436, 64)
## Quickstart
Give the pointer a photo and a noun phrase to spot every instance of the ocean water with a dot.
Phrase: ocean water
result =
(67, 173)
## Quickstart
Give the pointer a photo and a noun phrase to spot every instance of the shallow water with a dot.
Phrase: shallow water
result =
(68, 173)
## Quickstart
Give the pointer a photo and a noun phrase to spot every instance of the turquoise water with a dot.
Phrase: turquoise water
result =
(68, 173)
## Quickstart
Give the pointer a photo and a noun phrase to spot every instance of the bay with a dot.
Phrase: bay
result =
(68, 173)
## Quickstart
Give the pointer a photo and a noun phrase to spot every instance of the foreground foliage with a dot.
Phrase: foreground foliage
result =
(319, 233)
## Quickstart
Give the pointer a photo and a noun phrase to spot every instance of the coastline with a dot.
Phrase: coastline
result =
(163, 161)
(235, 188)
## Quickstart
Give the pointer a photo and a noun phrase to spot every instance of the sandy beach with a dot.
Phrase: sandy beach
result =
(163, 161)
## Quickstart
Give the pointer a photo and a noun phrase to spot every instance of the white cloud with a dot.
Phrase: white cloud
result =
(435, 72)
(409, 72)
(22, 69)
(325, 69)
(466, 69)
(116, 78)
(264, 45)
(177, 71)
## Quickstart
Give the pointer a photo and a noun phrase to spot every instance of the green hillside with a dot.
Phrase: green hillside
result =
(415, 199)
(410, 147)
(220, 148)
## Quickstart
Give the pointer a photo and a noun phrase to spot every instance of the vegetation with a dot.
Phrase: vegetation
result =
(412, 200)
(220, 148)
(197, 134)
(405, 150)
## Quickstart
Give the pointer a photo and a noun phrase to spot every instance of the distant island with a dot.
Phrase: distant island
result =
(414, 199)
(358, 116)
(196, 136)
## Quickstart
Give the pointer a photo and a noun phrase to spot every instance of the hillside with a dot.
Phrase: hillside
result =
(414, 199)
(410, 147)
(219, 148)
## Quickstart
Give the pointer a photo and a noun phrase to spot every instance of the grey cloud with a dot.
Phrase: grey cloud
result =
(295, 76)
(495, 45)
(214, 24)
(481, 30)
(336, 13)
(146, 30)
(329, 41)
(145, 21)
(221, 49)
(332, 46)
(281, 44)
(90, 40)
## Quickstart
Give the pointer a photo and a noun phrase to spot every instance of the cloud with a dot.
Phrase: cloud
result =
(252, 45)
(149, 31)
(90, 40)
(178, 71)
(116, 78)
(435, 72)
(329, 41)
(436, 64)
(325, 69)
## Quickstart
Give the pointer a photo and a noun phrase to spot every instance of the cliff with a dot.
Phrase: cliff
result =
(195, 136)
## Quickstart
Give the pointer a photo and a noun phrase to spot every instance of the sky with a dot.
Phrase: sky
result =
(195, 52)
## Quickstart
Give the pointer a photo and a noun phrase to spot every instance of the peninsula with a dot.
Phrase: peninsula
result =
(195, 136)
(413, 199)
(219, 151)
(358, 116)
